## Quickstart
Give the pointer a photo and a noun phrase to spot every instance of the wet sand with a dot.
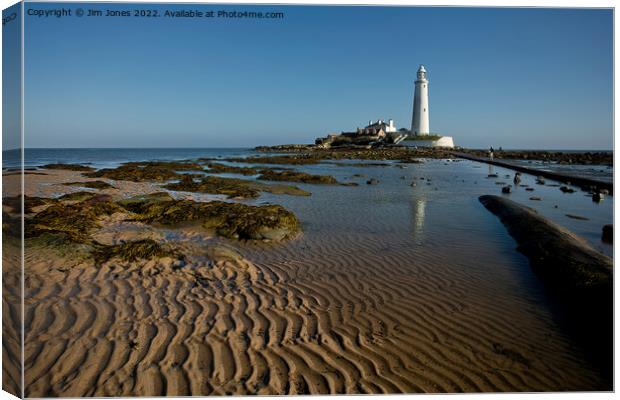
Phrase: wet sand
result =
(367, 300)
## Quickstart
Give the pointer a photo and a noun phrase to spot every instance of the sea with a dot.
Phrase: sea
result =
(451, 182)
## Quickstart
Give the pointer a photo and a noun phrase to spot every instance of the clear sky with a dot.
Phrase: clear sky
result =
(517, 78)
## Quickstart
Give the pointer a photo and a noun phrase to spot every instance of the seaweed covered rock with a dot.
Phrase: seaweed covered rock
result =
(231, 220)
(77, 196)
(230, 187)
(13, 204)
(296, 176)
(156, 171)
(90, 184)
(76, 220)
(132, 251)
(216, 168)
(68, 167)
(296, 159)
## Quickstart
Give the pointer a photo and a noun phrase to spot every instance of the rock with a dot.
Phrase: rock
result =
(608, 233)
(597, 197)
(540, 180)
(230, 220)
(68, 167)
(296, 176)
(578, 276)
(413, 184)
(578, 217)
(90, 184)
(566, 189)
(507, 189)
(372, 181)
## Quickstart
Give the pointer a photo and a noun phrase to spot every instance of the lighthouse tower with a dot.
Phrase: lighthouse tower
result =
(419, 121)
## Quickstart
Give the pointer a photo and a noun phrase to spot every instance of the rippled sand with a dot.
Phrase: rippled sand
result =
(386, 296)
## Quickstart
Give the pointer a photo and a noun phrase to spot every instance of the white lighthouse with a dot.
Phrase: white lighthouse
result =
(419, 121)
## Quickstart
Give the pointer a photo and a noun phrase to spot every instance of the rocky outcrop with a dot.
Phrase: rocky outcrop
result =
(231, 220)
(579, 277)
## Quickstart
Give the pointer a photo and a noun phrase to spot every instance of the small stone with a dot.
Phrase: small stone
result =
(372, 181)
(566, 189)
(597, 197)
(506, 189)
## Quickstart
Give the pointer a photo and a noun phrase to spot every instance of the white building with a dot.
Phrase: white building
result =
(388, 127)
(419, 121)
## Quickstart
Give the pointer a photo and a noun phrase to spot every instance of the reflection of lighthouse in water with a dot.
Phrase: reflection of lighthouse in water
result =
(419, 213)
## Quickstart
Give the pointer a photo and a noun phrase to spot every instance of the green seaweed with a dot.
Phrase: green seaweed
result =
(68, 167)
(132, 251)
(296, 176)
(215, 168)
(76, 220)
(230, 187)
(90, 184)
(231, 220)
(155, 171)
(297, 159)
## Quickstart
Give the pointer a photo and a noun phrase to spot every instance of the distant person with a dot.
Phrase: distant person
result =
(491, 153)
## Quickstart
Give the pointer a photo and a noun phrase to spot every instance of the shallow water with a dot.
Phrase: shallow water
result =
(423, 286)
(435, 249)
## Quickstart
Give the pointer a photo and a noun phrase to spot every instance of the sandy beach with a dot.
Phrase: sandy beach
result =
(351, 307)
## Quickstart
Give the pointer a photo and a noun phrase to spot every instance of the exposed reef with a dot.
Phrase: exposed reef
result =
(310, 154)
(145, 171)
(297, 159)
(68, 167)
(231, 187)
(132, 251)
(295, 176)
(90, 184)
(76, 220)
(587, 158)
(577, 275)
(216, 168)
(231, 220)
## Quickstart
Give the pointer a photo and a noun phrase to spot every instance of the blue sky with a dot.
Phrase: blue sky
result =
(517, 78)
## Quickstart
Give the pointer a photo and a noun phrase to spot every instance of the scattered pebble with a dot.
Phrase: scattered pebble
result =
(566, 189)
